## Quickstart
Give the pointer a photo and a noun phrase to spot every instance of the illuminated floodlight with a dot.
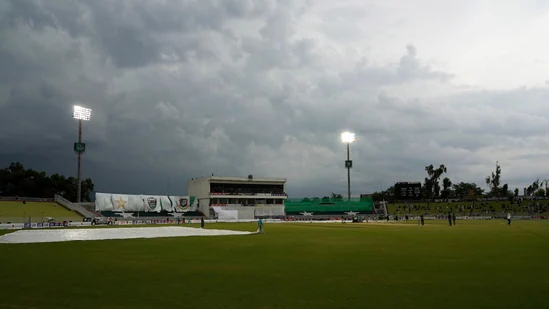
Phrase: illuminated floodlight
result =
(81, 113)
(347, 137)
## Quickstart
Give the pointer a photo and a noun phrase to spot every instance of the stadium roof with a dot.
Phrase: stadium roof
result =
(239, 179)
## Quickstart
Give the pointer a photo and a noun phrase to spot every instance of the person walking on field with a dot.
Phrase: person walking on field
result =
(260, 226)
(454, 218)
(508, 218)
(450, 219)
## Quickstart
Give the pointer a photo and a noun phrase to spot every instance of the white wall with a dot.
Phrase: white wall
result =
(201, 189)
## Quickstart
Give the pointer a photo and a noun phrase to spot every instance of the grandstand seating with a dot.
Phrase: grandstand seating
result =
(234, 192)
(23, 198)
(17, 212)
(526, 207)
(91, 208)
(246, 189)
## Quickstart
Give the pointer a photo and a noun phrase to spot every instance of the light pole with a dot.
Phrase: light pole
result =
(81, 114)
(348, 138)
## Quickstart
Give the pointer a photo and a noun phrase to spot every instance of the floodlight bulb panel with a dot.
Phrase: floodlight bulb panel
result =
(81, 113)
(347, 137)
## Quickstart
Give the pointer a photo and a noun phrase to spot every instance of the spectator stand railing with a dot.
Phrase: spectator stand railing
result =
(72, 206)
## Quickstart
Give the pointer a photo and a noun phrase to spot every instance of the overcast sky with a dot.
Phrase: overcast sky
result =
(183, 89)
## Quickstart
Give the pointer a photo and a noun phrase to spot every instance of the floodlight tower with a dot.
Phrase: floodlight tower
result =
(348, 138)
(81, 114)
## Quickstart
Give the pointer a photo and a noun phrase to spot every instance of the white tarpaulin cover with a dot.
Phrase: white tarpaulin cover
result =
(166, 204)
(148, 203)
(35, 236)
(136, 202)
(103, 202)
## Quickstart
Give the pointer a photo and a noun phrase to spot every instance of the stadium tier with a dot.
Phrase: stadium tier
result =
(19, 212)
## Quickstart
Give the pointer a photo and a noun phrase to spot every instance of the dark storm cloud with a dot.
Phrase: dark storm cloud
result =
(128, 130)
(132, 33)
(183, 89)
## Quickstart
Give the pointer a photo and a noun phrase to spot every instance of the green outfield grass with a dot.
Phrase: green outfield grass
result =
(476, 264)
(19, 212)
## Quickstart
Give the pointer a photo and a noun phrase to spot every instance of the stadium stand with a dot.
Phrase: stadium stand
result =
(23, 211)
(239, 189)
(28, 199)
(472, 208)
(91, 208)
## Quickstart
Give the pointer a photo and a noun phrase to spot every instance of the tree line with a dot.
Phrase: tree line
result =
(435, 188)
(334, 197)
(15, 180)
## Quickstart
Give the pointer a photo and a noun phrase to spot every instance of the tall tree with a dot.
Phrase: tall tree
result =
(446, 187)
(533, 188)
(505, 191)
(427, 188)
(434, 177)
(336, 197)
(464, 189)
(493, 181)
(387, 194)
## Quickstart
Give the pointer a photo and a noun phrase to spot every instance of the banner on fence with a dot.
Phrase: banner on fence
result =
(39, 225)
(11, 226)
(145, 203)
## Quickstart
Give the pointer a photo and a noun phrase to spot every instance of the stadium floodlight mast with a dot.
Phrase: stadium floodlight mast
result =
(348, 138)
(81, 114)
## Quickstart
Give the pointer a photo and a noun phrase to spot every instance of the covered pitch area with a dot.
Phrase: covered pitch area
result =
(87, 234)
